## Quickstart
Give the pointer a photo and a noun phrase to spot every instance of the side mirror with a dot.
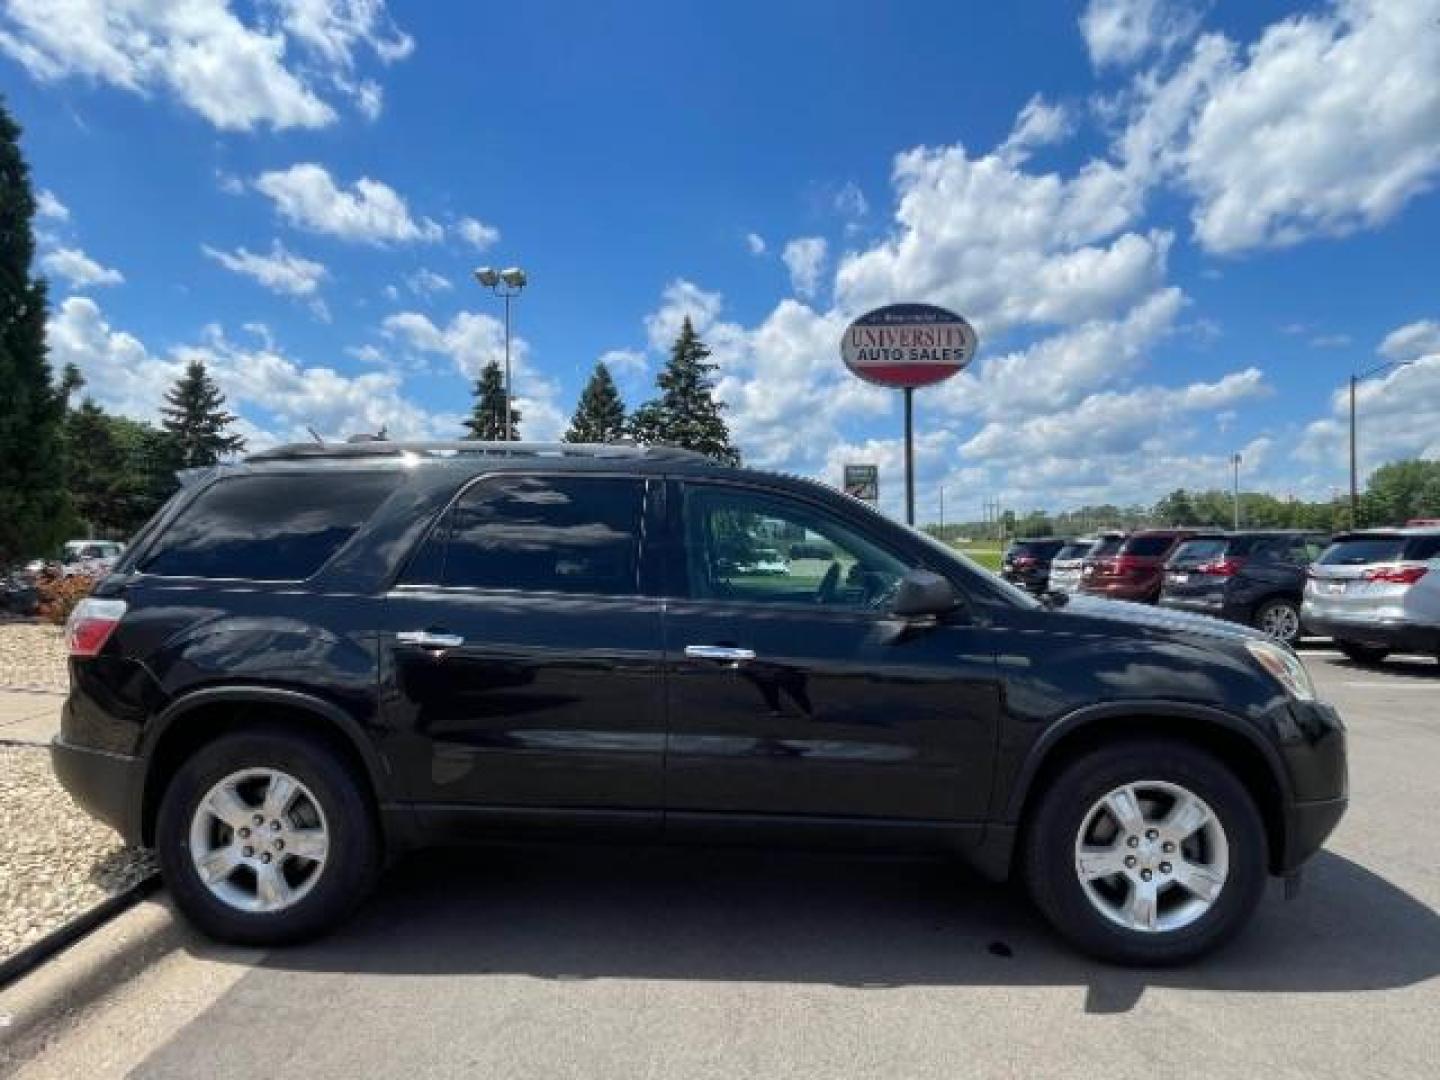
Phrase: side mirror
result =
(923, 593)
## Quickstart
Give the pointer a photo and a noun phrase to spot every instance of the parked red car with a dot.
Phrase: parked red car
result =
(1137, 570)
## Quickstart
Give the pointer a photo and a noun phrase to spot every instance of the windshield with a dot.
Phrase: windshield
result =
(1147, 545)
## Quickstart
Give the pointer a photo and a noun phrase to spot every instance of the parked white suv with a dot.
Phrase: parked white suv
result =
(1377, 591)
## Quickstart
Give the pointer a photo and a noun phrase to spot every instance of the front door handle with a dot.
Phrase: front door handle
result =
(429, 639)
(718, 652)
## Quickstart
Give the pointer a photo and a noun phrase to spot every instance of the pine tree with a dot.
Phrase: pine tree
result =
(34, 506)
(195, 419)
(686, 413)
(600, 415)
(487, 415)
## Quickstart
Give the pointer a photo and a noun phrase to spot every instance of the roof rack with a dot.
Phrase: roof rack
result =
(473, 447)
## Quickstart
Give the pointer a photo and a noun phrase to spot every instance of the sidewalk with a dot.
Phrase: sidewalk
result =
(29, 716)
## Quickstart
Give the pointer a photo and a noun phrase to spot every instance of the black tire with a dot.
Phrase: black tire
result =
(1264, 611)
(352, 861)
(1362, 654)
(1052, 829)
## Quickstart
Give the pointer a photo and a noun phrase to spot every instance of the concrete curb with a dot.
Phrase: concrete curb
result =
(70, 970)
(37, 952)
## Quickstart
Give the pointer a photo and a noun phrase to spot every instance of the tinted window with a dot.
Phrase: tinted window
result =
(1198, 551)
(1108, 546)
(1356, 552)
(1073, 551)
(268, 528)
(1041, 549)
(1147, 545)
(1423, 547)
(570, 534)
(731, 534)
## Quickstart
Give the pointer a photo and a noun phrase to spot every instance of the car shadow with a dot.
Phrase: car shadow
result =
(659, 913)
(1408, 667)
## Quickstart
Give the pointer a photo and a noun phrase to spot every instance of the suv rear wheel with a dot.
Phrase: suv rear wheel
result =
(1146, 852)
(1279, 619)
(266, 837)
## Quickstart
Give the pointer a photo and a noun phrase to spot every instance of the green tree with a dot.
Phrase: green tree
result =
(121, 470)
(1176, 509)
(34, 505)
(487, 414)
(196, 421)
(600, 415)
(686, 412)
(1399, 491)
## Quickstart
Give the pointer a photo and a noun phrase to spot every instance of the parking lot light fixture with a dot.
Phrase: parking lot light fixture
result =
(506, 284)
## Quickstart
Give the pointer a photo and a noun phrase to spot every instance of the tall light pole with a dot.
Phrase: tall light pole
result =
(1235, 489)
(506, 284)
(1355, 381)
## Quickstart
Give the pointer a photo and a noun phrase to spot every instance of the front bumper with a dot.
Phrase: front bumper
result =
(107, 786)
(1388, 634)
(1308, 826)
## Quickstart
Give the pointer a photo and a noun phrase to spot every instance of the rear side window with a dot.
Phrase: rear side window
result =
(268, 528)
(1423, 547)
(568, 534)
(1360, 550)
(1147, 545)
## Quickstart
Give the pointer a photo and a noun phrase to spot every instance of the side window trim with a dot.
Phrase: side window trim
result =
(444, 522)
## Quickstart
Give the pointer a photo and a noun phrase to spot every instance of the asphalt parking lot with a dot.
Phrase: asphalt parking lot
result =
(621, 963)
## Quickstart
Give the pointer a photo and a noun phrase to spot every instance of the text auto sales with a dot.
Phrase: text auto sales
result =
(908, 344)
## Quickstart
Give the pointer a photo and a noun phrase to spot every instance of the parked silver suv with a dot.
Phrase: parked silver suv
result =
(1069, 561)
(1377, 591)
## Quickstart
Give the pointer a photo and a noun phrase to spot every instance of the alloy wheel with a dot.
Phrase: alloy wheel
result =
(259, 840)
(1280, 622)
(1152, 856)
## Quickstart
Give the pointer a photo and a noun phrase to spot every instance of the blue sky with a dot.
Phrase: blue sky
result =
(1177, 228)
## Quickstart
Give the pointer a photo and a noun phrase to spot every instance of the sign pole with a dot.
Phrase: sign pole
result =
(909, 455)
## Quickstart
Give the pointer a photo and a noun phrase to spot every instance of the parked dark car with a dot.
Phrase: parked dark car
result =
(1137, 568)
(320, 657)
(1256, 578)
(1027, 562)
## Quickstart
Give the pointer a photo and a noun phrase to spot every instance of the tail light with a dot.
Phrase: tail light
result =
(91, 624)
(1025, 560)
(1220, 567)
(1395, 575)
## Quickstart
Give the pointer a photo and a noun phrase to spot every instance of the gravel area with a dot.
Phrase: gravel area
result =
(56, 862)
(32, 657)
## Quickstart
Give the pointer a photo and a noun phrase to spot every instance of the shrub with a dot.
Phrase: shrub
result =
(59, 595)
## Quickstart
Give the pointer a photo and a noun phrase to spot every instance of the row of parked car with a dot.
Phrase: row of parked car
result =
(1372, 591)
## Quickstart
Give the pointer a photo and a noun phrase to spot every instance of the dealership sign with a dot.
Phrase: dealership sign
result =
(863, 482)
(908, 345)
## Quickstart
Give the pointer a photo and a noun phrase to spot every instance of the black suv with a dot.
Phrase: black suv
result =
(1256, 578)
(1027, 562)
(322, 656)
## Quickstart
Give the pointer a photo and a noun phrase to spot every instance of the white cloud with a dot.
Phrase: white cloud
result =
(48, 205)
(471, 340)
(1331, 341)
(369, 212)
(805, 258)
(1121, 32)
(366, 354)
(1398, 416)
(281, 271)
(756, 243)
(1342, 104)
(278, 396)
(1004, 246)
(680, 299)
(1039, 124)
(81, 271)
(426, 282)
(238, 75)
(850, 202)
(1412, 341)
(476, 233)
(624, 361)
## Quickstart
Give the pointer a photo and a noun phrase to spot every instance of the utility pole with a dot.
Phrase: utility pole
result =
(1355, 381)
(1235, 489)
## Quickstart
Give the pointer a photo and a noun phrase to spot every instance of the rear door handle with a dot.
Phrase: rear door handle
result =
(718, 652)
(429, 639)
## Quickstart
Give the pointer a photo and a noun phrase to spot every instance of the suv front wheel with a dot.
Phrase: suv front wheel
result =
(1146, 852)
(266, 837)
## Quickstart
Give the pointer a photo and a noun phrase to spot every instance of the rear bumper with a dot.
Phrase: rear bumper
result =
(1142, 592)
(106, 785)
(1393, 635)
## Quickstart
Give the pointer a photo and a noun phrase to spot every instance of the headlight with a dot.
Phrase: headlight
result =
(1285, 666)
